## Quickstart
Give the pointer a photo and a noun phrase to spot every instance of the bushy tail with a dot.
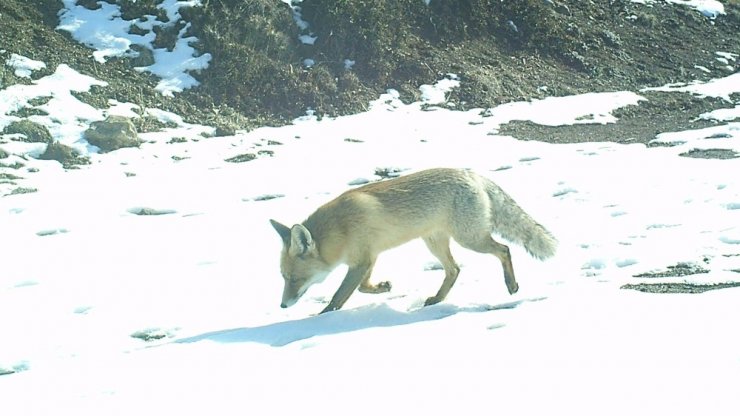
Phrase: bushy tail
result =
(511, 222)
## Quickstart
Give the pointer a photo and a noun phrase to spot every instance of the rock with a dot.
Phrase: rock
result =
(33, 132)
(63, 154)
(711, 154)
(389, 172)
(225, 130)
(611, 39)
(59, 152)
(144, 56)
(146, 211)
(242, 158)
(115, 132)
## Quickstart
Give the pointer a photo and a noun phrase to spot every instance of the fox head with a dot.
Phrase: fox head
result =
(300, 262)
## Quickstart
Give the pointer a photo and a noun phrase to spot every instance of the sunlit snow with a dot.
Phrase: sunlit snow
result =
(107, 311)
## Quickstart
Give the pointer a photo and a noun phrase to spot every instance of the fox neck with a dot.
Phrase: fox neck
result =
(329, 242)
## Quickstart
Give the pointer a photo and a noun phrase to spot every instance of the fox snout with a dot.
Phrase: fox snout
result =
(287, 304)
(290, 295)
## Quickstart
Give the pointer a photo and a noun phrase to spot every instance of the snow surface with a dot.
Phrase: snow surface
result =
(24, 67)
(82, 274)
(709, 8)
(718, 87)
(66, 116)
(105, 30)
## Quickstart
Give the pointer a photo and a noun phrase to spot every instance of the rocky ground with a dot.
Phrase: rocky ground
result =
(502, 52)
(652, 282)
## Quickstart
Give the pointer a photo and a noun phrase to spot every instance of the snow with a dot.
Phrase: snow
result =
(726, 57)
(67, 117)
(174, 66)
(724, 114)
(553, 111)
(718, 87)
(105, 30)
(306, 37)
(436, 94)
(23, 66)
(709, 8)
(83, 276)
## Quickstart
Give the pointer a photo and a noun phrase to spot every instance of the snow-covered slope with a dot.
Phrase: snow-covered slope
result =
(84, 277)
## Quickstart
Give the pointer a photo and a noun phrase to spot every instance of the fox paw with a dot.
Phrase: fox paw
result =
(513, 287)
(431, 301)
(381, 287)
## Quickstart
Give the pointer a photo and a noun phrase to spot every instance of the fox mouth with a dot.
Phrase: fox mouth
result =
(316, 278)
(287, 303)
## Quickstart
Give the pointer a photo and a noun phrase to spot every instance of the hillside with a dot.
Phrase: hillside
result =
(261, 72)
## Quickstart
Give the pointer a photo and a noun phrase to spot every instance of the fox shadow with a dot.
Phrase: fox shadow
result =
(372, 316)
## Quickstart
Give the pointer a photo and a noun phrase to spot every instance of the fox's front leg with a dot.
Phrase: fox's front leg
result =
(352, 280)
(367, 287)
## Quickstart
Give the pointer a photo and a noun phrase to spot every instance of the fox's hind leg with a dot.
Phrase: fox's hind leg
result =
(367, 287)
(439, 245)
(486, 244)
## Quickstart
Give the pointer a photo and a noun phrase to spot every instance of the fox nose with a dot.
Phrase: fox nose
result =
(283, 305)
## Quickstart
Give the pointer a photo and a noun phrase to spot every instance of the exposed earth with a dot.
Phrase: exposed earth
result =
(501, 51)
(652, 281)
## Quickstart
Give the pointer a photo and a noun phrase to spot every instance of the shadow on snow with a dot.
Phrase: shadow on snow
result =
(371, 316)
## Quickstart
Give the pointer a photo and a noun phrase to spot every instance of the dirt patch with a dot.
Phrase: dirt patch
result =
(678, 270)
(153, 334)
(711, 154)
(679, 287)
(68, 157)
(246, 157)
(29, 131)
(659, 113)
(150, 212)
(501, 52)
(27, 27)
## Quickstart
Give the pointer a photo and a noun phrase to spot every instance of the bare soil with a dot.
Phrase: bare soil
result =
(502, 52)
(653, 284)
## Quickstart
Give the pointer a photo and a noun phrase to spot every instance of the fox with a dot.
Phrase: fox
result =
(435, 205)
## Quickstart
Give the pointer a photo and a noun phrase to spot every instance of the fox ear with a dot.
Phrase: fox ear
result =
(282, 230)
(301, 241)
